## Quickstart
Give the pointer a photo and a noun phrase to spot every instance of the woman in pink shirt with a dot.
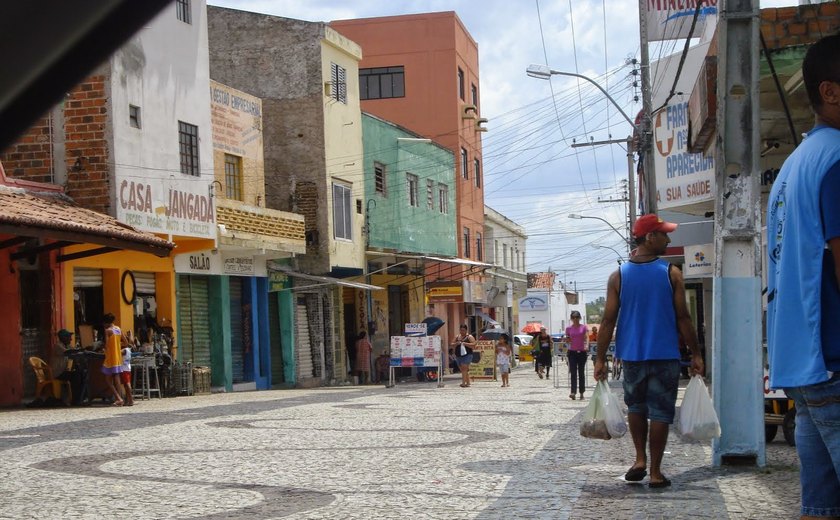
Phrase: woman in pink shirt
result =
(577, 340)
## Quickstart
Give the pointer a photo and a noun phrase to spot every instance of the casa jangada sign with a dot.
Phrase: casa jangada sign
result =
(176, 210)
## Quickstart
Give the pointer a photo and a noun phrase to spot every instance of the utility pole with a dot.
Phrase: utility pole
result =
(631, 174)
(737, 359)
(645, 132)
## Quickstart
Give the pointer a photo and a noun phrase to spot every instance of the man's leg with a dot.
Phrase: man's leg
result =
(818, 447)
(658, 440)
(639, 431)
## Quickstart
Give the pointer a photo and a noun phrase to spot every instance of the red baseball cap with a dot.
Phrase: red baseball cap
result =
(650, 223)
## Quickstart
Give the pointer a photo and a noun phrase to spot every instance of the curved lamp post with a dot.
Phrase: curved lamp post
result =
(623, 238)
(619, 259)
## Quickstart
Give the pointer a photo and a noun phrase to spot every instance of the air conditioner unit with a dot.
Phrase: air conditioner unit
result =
(470, 112)
(469, 309)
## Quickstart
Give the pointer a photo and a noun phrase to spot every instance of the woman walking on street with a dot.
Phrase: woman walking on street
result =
(363, 350)
(464, 343)
(112, 366)
(542, 344)
(578, 343)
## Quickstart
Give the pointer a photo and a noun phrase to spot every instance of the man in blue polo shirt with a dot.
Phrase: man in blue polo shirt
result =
(646, 296)
(803, 298)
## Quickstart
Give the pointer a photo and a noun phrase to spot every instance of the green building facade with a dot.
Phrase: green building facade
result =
(410, 189)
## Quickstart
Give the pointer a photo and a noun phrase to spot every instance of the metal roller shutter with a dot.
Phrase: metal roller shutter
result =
(277, 375)
(194, 344)
(87, 277)
(303, 350)
(237, 345)
(145, 283)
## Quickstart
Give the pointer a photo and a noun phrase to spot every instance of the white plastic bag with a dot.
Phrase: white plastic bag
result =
(613, 412)
(698, 420)
(603, 417)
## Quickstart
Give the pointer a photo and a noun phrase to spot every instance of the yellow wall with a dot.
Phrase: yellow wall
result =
(113, 266)
(343, 144)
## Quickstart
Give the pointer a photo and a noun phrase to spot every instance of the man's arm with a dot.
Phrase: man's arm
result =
(834, 244)
(607, 325)
(684, 325)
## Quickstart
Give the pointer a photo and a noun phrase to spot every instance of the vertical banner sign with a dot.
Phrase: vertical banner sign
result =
(671, 19)
(682, 178)
(485, 367)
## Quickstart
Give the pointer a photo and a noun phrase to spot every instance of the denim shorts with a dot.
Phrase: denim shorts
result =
(818, 445)
(650, 388)
(465, 360)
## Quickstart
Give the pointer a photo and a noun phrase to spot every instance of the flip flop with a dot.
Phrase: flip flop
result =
(659, 485)
(635, 474)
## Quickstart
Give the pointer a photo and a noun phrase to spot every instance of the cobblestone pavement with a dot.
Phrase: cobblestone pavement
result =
(414, 451)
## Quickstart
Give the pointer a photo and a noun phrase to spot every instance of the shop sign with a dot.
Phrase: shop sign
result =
(533, 303)
(484, 368)
(216, 262)
(415, 329)
(199, 262)
(170, 206)
(239, 266)
(699, 261)
(237, 121)
(445, 292)
(682, 178)
(277, 281)
(671, 19)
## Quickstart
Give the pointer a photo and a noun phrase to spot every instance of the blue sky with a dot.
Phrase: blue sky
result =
(532, 174)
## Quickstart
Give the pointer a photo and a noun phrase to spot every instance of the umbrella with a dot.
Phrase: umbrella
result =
(432, 324)
(532, 328)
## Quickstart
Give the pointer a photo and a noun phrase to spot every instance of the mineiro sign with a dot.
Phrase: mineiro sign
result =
(682, 178)
(671, 19)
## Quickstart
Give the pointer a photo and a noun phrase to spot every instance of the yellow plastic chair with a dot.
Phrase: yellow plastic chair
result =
(45, 379)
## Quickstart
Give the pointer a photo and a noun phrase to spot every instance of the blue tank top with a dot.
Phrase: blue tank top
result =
(796, 249)
(647, 321)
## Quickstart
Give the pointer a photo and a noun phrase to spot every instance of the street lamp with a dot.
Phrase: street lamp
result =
(596, 246)
(623, 238)
(545, 72)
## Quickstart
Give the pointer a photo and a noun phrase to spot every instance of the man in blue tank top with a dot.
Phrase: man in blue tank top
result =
(646, 297)
(803, 294)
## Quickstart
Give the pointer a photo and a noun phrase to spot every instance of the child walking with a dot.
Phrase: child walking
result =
(125, 376)
(503, 353)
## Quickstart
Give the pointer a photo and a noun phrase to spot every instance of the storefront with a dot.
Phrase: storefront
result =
(43, 240)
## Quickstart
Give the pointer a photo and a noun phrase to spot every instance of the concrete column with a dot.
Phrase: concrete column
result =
(736, 352)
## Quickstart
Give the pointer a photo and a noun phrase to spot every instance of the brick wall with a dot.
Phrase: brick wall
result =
(31, 157)
(85, 161)
(799, 25)
(85, 118)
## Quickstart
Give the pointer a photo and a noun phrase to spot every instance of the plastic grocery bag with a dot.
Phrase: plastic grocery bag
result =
(603, 417)
(698, 420)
